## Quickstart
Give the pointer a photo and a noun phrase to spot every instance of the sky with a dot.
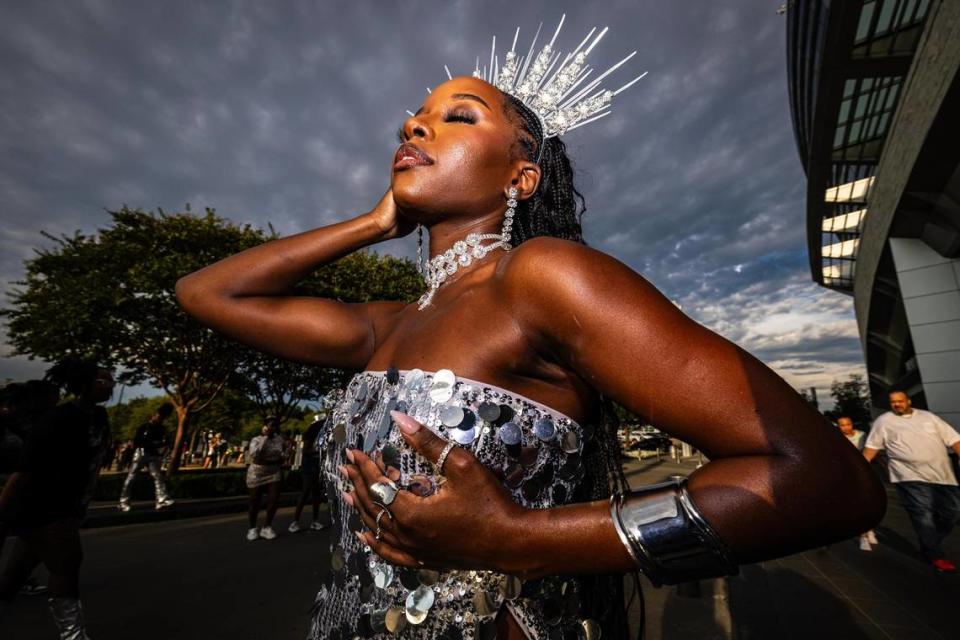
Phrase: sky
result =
(285, 113)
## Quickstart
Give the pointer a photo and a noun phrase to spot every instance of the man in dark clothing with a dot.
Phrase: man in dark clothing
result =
(148, 446)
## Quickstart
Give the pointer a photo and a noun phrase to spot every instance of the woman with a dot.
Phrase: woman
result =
(464, 542)
(265, 474)
(46, 499)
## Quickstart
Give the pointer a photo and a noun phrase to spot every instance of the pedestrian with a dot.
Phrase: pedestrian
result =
(149, 444)
(45, 500)
(264, 475)
(310, 471)
(126, 456)
(857, 438)
(916, 443)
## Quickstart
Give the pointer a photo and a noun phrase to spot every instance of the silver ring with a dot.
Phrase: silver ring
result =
(384, 491)
(438, 467)
(383, 510)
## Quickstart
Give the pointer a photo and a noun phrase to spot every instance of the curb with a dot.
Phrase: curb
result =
(104, 514)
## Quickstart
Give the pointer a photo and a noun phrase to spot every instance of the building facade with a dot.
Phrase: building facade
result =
(875, 103)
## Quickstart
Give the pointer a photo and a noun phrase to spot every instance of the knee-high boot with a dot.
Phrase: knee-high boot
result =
(68, 614)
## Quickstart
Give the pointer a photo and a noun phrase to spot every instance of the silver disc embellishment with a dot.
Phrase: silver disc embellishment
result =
(510, 433)
(464, 437)
(545, 429)
(382, 575)
(392, 375)
(570, 442)
(396, 620)
(451, 416)
(391, 455)
(441, 389)
(413, 380)
(378, 621)
(361, 392)
(489, 411)
(428, 577)
(418, 604)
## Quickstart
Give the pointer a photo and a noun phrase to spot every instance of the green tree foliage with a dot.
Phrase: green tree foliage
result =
(110, 296)
(851, 398)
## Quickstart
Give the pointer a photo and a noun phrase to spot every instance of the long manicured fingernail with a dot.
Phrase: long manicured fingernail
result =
(343, 471)
(360, 537)
(407, 424)
(350, 455)
(347, 498)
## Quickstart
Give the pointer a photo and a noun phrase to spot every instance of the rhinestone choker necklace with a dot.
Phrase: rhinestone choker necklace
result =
(462, 254)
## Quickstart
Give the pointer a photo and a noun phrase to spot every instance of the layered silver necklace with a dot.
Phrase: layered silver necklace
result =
(463, 253)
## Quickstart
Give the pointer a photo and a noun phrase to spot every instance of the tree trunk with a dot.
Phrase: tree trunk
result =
(183, 420)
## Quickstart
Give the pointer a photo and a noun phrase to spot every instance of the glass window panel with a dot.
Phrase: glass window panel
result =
(870, 129)
(908, 12)
(861, 105)
(886, 13)
(881, 99)
(848, 88)
(922, 11)
(882, 126)
(866, 85)
(863, 27)
(838, 137)
(855, 132)
(907, 40)
(844, 111)
(892, 98)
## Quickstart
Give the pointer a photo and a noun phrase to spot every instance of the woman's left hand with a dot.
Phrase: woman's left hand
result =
(462, 525)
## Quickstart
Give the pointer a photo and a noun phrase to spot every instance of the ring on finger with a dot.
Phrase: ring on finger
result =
(383, 510)
(438, 467)
(384, 491)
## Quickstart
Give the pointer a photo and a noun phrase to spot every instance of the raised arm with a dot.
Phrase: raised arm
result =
(248, 295)
(780, 478)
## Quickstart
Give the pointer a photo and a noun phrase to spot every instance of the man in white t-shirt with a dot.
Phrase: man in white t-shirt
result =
(916, 442)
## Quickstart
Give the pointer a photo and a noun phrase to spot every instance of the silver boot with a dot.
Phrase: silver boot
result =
(68, 614)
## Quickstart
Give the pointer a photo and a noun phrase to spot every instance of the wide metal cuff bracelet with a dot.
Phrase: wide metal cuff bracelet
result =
(667, 537)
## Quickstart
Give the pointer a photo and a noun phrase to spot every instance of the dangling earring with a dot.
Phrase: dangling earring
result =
(505, 233)
(420, 265)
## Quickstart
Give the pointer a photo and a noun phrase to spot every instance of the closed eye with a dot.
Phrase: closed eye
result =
(460, 116)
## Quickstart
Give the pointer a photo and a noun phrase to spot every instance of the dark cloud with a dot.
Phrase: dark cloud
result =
(285, 112)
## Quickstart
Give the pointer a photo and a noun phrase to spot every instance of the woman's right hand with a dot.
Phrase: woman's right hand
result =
(388, 218)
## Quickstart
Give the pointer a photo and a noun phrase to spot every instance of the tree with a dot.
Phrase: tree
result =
(110, 296)
(852, 399)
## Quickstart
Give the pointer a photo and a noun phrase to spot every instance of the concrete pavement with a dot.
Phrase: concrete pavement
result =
(200, 579)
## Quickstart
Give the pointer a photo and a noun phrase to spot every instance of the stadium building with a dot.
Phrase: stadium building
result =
(875, 102)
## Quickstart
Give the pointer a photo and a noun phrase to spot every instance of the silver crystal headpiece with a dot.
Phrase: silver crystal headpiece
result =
(552, 85)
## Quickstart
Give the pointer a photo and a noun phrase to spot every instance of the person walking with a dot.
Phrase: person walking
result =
(916, 443)
(310, 470)
(265, 474)
(148, 444)
(857, 438)
(46, 498)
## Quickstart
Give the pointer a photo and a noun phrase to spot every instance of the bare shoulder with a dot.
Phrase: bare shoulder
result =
(551, 272)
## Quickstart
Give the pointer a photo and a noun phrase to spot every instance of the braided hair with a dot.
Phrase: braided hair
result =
(556, 207)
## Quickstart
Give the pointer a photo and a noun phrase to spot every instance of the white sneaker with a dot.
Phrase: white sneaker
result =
(865, 544)
(267, 533)
(871, 537)
(318, 526)
(294, 527)
(252, 534)
(123, 506)
(163, 504)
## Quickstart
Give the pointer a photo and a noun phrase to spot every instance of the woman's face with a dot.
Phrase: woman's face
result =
(456, 158)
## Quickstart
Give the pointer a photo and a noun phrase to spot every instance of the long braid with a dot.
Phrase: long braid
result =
(555, 210)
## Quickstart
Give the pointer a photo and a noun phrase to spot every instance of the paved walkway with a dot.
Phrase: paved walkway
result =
(836, 592)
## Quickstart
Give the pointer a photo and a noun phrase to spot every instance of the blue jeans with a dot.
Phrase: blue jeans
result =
(933, 510)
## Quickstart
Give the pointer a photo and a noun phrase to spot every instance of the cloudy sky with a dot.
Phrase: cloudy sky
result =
(285, 112)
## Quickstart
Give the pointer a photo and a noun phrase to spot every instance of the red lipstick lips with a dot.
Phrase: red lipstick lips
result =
(408, 155)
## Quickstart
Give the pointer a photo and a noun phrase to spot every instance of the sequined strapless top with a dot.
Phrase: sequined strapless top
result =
(535, 451)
